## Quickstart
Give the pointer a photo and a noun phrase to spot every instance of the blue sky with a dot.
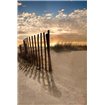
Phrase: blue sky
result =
(41, 7)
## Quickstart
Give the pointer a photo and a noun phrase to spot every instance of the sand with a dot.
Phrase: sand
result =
(69, 87)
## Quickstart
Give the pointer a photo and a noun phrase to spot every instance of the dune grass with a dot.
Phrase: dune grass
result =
(68, 47)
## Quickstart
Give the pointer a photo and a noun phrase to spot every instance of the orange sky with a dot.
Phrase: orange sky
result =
(55, 39)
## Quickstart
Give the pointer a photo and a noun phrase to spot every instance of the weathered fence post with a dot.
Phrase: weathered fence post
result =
(45, 54)
(36, 61)
(30, 48)
(38, 52)
(41, 50)
(48, 50)
(25, 50)
(33, 53)
(20, 49)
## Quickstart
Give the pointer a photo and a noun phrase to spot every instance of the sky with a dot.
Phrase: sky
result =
(60, 17)
(41, 7)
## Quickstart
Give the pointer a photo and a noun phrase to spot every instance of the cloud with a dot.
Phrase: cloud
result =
(61, 23)
(21, 37)
(62, 10)
(48, 15)
(61, 14)
(19, 3)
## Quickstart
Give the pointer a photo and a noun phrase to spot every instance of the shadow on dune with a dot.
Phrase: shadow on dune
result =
(42, 75)
(35, 61)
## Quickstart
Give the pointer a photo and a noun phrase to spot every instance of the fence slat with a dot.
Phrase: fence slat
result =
(48, 50)
(38, 52)
(45, 54)
(41, 50)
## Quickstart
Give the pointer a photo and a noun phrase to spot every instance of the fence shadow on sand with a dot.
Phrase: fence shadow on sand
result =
(34, 60)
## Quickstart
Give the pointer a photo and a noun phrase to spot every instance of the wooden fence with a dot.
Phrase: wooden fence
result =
(35, 60)
(34, 55)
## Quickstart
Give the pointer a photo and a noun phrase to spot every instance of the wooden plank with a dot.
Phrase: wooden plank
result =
(33, 53)
(41, 50)
(36, 61)
(20, 49)
(45, 53)
(48, 50)
(38, 52)
(30, 48)
(26, 45)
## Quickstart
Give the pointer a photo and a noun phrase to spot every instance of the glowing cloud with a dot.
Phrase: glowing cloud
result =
(71, 23)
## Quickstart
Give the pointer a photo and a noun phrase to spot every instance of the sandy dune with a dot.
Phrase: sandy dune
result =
(69, 87)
